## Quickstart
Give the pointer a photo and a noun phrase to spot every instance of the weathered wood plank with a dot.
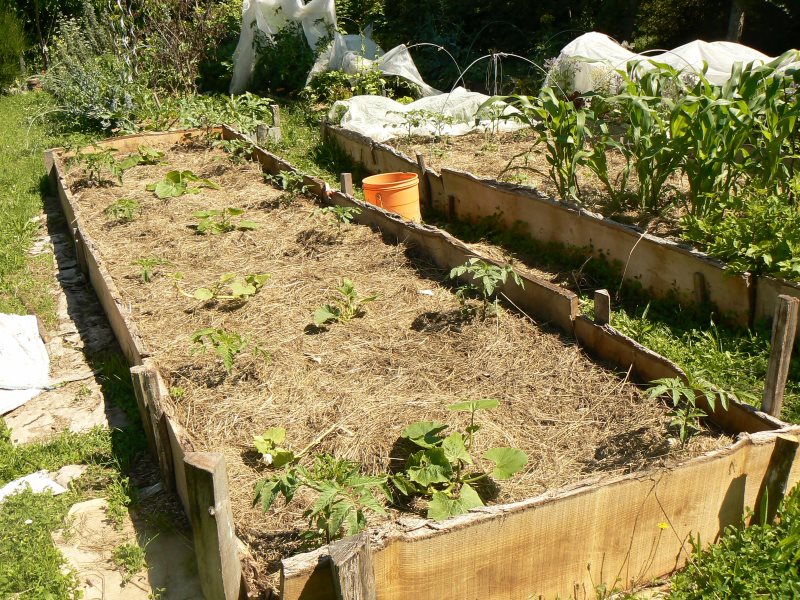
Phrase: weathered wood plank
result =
(210, 514)
(602, 307)
(351, 567)
(783, 331)
(776, 481)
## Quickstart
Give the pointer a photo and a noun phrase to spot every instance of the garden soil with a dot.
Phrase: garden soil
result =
(350, 389)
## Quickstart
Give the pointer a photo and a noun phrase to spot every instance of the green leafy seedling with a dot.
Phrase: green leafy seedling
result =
(239, 150)
(147, 267)
(342, 215)
(230, 286)
(227, 345)
(484, 279)
(344, 307)
(95, 163)
(216, 221)
(176, 183)
(143, 156)
(122, 211)
(291, 182)
(268, 445)
(444, 471)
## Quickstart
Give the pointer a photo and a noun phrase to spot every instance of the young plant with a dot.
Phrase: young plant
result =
(227, 345)
(685, 414)
(444, 471)
(344, 307)
(238, 150)
(176, 183)
(148, 267)
(268, 445)
(230, 286)
(342, 215)
(96, 163)
(217, 221)
(122, 211)
(485, 279)
(291, 182)
(143, 156)
(344, 495)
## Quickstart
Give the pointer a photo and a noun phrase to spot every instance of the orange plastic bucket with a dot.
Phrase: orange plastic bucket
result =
(395, 192)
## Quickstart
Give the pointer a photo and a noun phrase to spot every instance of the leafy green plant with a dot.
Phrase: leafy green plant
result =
(444, 471)
(144, 155)
(685, 414)
(230, 286)
(216, 221)
(238, 150)
(342, 215)
(147, 267)
(227, 345)
(122, 211)
(130, 558)
(344, 495)
(95, 164)
(485, 278)
(347, 305)
(291, 182)
(268, 445)
(176, 183)
(414, 119)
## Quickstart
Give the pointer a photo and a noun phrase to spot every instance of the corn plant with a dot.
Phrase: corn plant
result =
(484, 280)
(122, 211)
(216, 221)
(177, 183)
(230, 286)
(344, 496)
(227, 345)
(345, 306)
(444, 471)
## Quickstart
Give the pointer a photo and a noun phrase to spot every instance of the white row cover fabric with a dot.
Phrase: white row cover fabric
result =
(318, 17)
(450, 114)
(590, 61)
(24, 364)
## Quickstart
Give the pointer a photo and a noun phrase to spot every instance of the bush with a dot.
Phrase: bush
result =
(283, 63)
(12, 45)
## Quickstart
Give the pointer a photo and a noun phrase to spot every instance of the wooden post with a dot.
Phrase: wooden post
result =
(351, 566)
(700, 290)
(776, 480)
(783, 331)
(154, 420)
(261, 133)
(425, 183)
(602, 307)
(210, 514)
(275, 110)
(346, 180)
(140, 391)
(323, 126)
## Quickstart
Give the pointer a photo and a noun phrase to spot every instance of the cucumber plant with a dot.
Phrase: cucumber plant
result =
(344, 307)
(443, 469)
(344, 496)
(268, 445)
(176, 183)
(227, 345)
(230, 286)
(216, 221)
(484, 280)
(122, 211)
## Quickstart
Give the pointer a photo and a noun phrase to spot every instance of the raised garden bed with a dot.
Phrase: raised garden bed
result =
(351, 389)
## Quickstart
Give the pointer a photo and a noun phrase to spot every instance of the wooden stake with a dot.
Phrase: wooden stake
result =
(276, 115)
(210, 513)
(323, 127)
(700, 291)
(602, 307)
(347, 183)
(351, 566)
(773, 488)
(783, 332)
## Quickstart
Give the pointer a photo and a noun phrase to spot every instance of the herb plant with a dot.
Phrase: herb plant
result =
(344, 307)
(122, 211)
(485, 279)
(176, 183)
(344, 495)
(230, 286)
(291, 182)
(444, 471)
(217, 221)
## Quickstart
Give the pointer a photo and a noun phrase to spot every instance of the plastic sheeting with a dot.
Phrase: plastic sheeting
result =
(450, 114)
(37, 482)
(318, 17)
(24, 364)
(589, 62)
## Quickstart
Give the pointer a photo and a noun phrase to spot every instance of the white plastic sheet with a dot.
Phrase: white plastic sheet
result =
(450, 114)
(24, 364)
(589, 62)
(38, 482)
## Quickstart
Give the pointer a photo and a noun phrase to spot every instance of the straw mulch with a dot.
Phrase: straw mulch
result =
(405, 359)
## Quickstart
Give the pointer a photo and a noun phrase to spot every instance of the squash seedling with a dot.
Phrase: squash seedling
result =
(216, 221)
(484, 281)
(444, 471)
(122, 211)
(227, 345)
(230, 286)
(344, 307)
(176, 183)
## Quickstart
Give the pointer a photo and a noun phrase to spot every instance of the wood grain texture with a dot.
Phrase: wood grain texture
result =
(351, 568)
(784, 327)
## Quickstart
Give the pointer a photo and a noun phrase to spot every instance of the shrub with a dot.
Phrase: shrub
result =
(283, 62)
(12, 45)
